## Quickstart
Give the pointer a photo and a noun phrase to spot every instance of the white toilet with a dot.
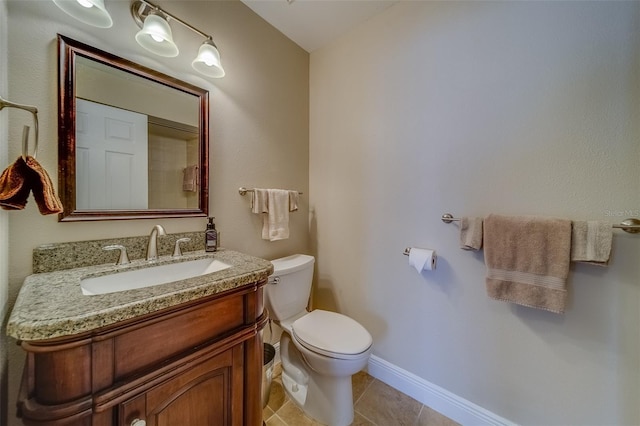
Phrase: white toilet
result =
(320, 350)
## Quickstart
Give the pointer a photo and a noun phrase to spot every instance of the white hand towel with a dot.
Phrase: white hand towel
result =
(591, 242)
(276, 223)
(260, 201)
(293, 200)
(471, 233)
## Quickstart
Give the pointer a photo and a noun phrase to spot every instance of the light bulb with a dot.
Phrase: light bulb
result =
(157, 38)
(85, 3)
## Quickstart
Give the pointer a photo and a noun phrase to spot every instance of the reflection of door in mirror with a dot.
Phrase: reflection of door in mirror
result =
(169, 121)
(111, 157)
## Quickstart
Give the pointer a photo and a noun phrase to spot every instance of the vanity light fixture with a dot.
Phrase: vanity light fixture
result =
(90, 12)
(208, 60)
(155, 36)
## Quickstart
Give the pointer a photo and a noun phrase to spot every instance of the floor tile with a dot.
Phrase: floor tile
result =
(385, 405)
(360, 382)
(292, 415)
(375, 404)
(360, 420)
(430, 417)
(277, 397)
(275, 421)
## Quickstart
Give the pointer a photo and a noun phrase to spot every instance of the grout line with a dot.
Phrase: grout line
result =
(419, 413)
(366, 418)
(279, 418)
(360, 397)
(365, 390)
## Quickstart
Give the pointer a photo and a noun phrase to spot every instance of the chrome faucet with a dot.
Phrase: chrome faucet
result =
(124, 258)
(152, 246)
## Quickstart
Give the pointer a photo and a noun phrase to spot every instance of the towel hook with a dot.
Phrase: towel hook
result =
(25, 131)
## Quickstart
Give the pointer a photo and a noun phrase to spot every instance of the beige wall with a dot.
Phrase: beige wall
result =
(473, 108)
(4, 216)
(258, 123)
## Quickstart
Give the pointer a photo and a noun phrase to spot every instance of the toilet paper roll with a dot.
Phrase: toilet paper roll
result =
(423, 259)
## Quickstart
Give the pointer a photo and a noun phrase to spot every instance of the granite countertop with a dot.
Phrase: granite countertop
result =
(52, 305)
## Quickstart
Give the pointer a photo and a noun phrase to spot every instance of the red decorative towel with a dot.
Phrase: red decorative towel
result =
(42, 187)
(22, 177)
(14, 186)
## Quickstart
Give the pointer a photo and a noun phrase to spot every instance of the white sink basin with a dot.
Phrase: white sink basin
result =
(151, 276)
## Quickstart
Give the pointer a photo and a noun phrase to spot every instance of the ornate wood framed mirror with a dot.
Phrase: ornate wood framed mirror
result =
(132, 142)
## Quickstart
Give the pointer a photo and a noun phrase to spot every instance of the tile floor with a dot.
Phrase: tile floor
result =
(375, 404)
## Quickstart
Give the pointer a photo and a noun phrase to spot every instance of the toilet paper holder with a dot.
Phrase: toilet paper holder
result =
(407, 251)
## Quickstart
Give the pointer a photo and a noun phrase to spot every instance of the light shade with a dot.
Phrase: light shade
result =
(90, 12)
(155, 36)
(208, 60)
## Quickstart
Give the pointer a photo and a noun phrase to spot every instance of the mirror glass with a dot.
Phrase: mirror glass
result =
(132, 141)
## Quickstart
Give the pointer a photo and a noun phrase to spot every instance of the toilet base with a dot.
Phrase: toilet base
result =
(326, 399)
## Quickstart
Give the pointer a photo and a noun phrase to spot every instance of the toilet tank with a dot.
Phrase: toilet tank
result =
(288, 290)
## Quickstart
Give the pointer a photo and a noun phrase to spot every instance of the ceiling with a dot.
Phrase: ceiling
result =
(313, 24)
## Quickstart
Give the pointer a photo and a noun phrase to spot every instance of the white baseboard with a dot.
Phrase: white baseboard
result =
(441, 400)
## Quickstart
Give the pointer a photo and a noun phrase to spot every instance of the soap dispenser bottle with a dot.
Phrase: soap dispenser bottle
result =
(211, 236)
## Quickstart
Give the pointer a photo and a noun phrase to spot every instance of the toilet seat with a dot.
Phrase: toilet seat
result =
(331, 334)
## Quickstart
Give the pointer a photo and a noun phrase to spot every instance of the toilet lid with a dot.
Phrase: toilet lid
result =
(331, 334)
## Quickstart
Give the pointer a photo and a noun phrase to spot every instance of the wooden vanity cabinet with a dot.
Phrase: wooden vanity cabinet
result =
(198, 363)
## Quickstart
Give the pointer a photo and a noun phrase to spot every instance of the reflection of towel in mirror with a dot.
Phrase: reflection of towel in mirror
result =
(22, 177)
(190, 179)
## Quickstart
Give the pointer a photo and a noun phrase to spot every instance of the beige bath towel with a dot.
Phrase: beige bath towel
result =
(527, 260)
(471, 233)
(591, 242)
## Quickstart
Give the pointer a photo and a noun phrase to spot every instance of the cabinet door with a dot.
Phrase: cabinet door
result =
(210, 393)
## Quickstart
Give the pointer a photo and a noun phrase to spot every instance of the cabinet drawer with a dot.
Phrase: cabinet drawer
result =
(160, 340)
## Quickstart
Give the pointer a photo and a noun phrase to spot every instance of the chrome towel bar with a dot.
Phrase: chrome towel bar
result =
(631, 225)
(243, 191)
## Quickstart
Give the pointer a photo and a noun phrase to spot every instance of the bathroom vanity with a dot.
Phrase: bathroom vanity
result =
(187, 352)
